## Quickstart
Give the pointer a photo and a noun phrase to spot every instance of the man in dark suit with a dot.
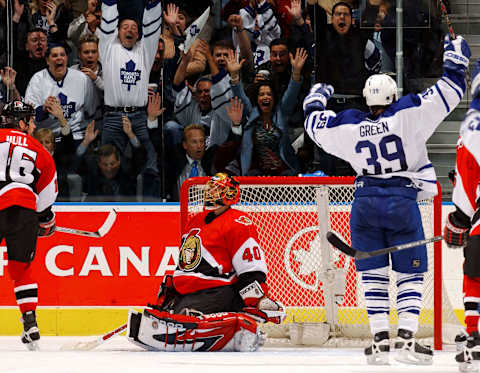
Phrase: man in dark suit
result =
(191, 160)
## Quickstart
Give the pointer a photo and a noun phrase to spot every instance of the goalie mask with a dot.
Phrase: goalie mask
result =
(222, 190)
(380, 90)
(15, 111)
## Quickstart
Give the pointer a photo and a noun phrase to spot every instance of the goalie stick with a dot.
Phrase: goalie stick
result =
(102, 231)
(336, 241)
(90, 345)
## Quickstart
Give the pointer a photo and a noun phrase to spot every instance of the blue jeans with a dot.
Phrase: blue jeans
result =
(113, 134)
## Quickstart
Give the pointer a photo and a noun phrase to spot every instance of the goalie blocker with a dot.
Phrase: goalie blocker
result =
(162, 331)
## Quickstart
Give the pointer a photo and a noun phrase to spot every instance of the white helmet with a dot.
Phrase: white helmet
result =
(380, 90)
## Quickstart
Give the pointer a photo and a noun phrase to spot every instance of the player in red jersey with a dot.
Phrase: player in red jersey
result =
(220, 281)
(462, 228)
(28, 188)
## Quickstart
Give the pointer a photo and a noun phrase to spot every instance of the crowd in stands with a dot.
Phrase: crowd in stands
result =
(129, 113)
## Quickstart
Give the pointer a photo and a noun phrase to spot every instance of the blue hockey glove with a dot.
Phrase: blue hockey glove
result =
(317, 98)
(457, 54)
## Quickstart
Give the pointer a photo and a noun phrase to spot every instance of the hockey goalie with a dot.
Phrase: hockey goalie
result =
(218, 293)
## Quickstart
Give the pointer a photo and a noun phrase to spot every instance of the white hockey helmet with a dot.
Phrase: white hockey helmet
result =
(380, 90)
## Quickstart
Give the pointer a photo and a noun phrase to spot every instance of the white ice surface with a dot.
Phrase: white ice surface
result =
(119, 355)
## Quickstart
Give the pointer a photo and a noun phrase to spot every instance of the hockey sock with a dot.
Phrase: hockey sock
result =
(471, 289)
(25, 288)
(375, 283)
(409, 300)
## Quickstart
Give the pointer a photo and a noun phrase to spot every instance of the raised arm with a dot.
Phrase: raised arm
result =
(204, 48)
(183, 92)
(235, 114)
(441, 99)
(152, 28)
(181, 72)
(289, 99)
(317, 118)
(170, 18)
(233, 67)
(242, 39)
(8, 79)
(107, 32)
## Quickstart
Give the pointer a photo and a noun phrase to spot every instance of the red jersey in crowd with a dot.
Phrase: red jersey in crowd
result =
(28, 176)
(214, 254)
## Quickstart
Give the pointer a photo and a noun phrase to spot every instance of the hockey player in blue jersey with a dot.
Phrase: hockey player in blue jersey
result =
(386, 147)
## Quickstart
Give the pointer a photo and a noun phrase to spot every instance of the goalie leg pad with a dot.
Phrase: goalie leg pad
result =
(133, 326)
(162, 331)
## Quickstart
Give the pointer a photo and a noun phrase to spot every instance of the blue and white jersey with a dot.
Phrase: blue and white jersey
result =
(392, 144)
(76, 94)
(126, 71)
(268, 30)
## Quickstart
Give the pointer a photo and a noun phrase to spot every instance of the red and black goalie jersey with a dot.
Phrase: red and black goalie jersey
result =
(28, 175)
(215, 254)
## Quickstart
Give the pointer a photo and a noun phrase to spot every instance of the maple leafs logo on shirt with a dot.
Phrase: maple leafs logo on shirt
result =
(129, 75)
(67, 107)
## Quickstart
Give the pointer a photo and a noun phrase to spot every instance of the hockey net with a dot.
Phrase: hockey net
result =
(292, 216)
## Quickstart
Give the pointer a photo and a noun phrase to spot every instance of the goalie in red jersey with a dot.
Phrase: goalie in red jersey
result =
(218, 292)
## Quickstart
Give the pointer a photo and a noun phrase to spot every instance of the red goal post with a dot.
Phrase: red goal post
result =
(292, 215)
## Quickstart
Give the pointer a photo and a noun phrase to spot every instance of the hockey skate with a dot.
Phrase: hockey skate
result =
(30, 334)
(461, 341)
(377, 353)
(470, 353)
(409, 351)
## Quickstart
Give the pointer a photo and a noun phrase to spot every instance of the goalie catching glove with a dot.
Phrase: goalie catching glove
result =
(259, 306)
(46, 223)
(456, 230)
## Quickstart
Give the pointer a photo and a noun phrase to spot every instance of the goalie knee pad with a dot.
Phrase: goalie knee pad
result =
(162, 331)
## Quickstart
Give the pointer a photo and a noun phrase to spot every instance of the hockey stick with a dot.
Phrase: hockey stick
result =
(102, 231)
(86, 346)
(336, 241)
(451, 32)
(445, 14)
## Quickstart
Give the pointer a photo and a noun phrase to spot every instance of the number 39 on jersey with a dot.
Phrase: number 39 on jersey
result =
(384, 157)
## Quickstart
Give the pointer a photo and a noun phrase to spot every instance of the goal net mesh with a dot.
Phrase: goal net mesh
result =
(288, 219)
